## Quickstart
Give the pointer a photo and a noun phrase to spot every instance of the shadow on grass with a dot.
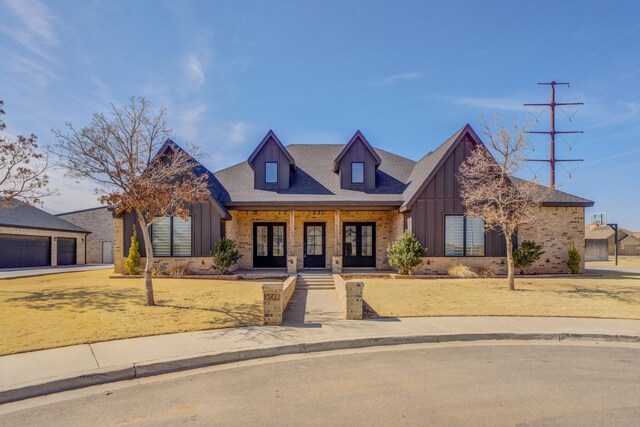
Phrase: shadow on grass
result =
(238, 314)
(625, 295)
(77, 299)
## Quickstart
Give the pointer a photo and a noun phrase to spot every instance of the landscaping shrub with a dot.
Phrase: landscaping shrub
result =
(574, 259)
(132, 263)
(156, 271)
(485, 271)
(179, 270)
(461, 271)
(224, 255)
(405, 253)
(526, 254)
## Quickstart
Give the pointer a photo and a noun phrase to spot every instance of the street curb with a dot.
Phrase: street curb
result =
(201, 360)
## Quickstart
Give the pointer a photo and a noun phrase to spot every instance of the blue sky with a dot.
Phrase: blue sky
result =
(406, 73)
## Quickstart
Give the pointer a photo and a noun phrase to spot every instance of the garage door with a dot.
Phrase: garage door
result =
(24, 251)
(66, 251)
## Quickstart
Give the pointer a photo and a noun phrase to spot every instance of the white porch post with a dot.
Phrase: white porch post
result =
(337, 233)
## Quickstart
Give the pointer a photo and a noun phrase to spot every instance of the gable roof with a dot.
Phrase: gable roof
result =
(314, 183)
(630, 240)
(21, 215)
(554, 197)
(272, 136)
(358, 136)
(598, 233)
(426, 167)
(215, 188)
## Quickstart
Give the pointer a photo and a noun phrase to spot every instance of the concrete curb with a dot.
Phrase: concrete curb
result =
(200, 360)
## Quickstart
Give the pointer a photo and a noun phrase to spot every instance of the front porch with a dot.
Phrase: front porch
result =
(314, 240)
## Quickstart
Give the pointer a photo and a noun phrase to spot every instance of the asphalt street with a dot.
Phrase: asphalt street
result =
(536, 384)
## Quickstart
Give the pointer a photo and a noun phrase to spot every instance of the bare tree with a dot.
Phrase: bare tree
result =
(490, 191)
(23, 169)
(118, 154)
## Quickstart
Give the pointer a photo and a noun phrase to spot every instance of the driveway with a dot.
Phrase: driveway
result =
(456, 384)
(14, 273)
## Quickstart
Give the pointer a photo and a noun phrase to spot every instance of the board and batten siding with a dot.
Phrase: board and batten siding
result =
(271, 152)
(206, 228)
(441, 196)
(358, 153)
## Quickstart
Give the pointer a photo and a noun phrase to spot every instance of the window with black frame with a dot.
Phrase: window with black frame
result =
(171, 237)
(357, 173)
(463, 236)
(271, 172)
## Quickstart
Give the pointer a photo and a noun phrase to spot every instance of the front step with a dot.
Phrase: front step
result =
(315, 282)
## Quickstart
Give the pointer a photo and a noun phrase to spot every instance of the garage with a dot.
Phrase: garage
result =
(66, 251)
(31, 238)
(24, 251)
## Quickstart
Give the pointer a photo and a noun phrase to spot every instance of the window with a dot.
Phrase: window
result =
(357, 173)
(463, 236)
(171, 236)
(271, 172)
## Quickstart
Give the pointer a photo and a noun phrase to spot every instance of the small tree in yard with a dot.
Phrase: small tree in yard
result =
(132, 264)
(118, 154)
(525, 255)
(224, 255)
(405, 253)
(23, 169)
(574, 259)
(489, 190)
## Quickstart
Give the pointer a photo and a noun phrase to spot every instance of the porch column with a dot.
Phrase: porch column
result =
(292, 220)
(337, 233)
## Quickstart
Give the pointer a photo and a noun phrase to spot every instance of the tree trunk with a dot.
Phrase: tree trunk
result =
(510, 264)
(148, 248)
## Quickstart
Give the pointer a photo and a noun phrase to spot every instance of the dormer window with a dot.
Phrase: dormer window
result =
(271, 172)
(357, 172)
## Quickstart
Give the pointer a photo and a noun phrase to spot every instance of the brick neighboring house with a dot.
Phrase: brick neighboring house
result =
(338, 206)
(101, 224)
(31, 237)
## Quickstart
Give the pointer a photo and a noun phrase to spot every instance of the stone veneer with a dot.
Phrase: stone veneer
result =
(100, 223)
(80, 240)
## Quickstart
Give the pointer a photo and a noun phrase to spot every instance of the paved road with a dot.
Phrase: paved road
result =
(456, 384)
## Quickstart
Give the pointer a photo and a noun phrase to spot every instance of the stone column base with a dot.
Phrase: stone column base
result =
(336, 264)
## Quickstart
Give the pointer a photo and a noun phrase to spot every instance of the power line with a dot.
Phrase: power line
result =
(553, 132)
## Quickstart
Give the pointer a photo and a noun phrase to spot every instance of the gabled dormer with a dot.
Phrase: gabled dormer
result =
(271, 163)
(357, 164)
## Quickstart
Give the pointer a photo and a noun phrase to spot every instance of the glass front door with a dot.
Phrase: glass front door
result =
(269, 244)
(314, 245)
(359, 244)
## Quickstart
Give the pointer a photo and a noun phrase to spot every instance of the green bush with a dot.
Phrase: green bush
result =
(224, 255)
(405, 253)
(574, 259)
(132, 264)
(526, 254)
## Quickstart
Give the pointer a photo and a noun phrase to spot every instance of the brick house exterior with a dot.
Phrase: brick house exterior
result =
(339, 206)
(100, 222)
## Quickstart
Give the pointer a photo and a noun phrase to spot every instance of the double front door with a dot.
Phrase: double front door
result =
(359, 244)
(270, 242)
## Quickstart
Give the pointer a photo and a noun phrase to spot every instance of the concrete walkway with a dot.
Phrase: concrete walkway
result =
(313, 307)
(15, 273)
(43, 372)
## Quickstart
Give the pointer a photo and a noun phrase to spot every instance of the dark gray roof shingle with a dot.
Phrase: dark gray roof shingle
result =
(21, 215)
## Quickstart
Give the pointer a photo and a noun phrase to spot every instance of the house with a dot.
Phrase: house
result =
(600, 242)
(99, 221)
(338, 206)
(630, 245)
(31, 237)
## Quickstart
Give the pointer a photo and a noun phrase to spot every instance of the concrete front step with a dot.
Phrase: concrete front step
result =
(315, 282)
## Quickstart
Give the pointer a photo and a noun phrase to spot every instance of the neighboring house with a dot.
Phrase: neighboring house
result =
(630, 245)
(339, 206)
(597, 238)
(31, 237)
(101, 224)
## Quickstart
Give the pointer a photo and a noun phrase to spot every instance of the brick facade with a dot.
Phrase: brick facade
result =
(101, 224)
(53, 234)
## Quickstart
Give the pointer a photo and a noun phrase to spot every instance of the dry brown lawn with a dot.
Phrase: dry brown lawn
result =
(623, 261)
(613, 295)
(85, 307)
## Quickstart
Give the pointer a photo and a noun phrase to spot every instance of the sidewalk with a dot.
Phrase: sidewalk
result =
(15, 273)
(42, 372)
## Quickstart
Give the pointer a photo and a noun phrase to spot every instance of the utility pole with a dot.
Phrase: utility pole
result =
(553, 132)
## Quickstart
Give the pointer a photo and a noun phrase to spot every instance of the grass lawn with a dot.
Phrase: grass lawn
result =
(614, 295)
(74, 308)
(623, 261)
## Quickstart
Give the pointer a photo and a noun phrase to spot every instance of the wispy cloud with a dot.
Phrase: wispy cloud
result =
(35, 27)
(189, 119)
(237, 134)
(194, 70)
(489, 103)
(27, 71)
(413, 75)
